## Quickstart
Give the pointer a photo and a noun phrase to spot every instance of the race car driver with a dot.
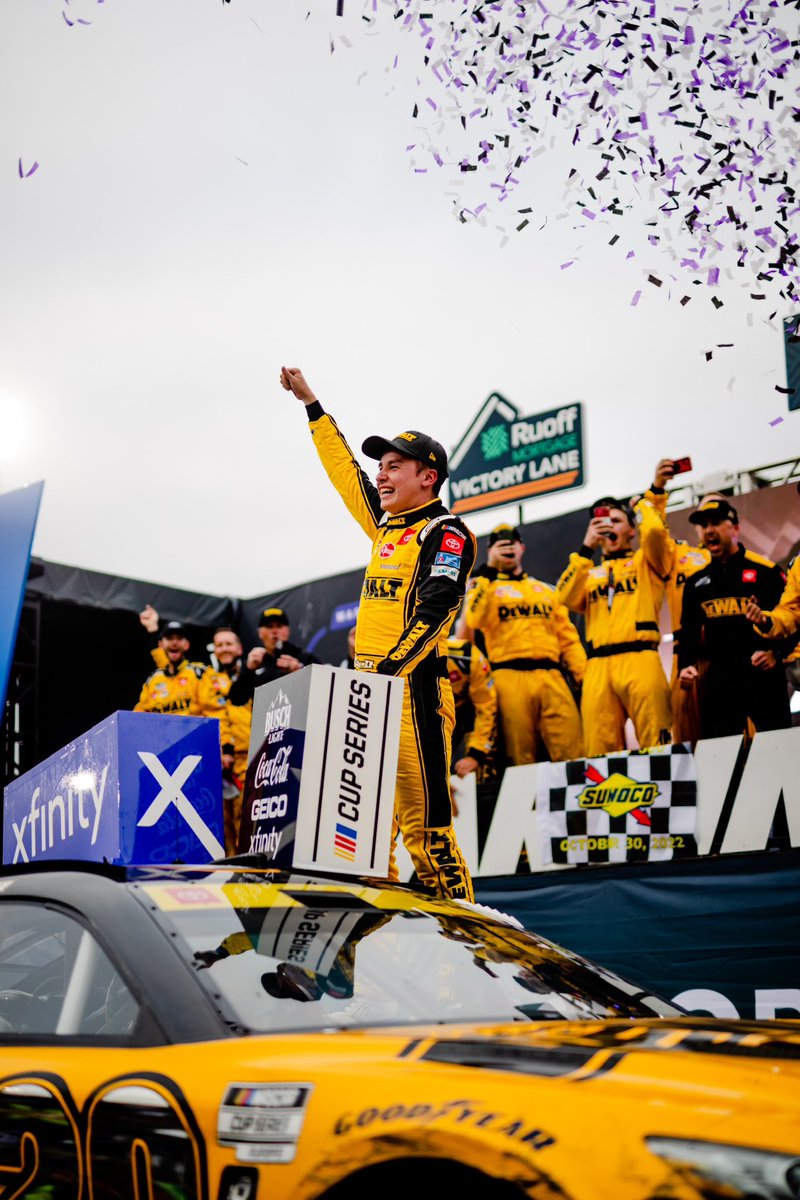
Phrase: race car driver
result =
(413, 586)
(528, 635)
(620, 599)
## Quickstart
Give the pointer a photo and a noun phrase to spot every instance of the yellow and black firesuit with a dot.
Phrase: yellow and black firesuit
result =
(475, 698)
(621, 599)
(713, 623)
(412, 590)
(686, 560)
(528, 634)
(174, 689)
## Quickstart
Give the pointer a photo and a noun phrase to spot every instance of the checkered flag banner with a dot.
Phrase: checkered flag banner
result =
(636, 807)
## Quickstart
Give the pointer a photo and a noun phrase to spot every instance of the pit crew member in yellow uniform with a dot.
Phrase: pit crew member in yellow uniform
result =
(413, 587)
(620, 598)
(784, 619)
(686, 559)
(475, 697)
(528, 634)
(174, 688)
(234, 727)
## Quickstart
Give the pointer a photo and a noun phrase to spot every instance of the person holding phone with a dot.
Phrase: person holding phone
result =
(620, 598)
(276, 656)
(529, 639)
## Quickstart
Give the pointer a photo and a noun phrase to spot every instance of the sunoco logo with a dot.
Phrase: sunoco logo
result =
(617, 795)
(278, 716)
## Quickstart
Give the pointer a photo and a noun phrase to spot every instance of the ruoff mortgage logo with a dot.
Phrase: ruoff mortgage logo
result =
(505, 456)
(618, 794)
(278, 718)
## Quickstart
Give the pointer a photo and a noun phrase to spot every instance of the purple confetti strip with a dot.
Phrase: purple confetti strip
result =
(636, 299)
(777, 421)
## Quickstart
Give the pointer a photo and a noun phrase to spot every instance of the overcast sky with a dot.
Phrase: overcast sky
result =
(218, 194)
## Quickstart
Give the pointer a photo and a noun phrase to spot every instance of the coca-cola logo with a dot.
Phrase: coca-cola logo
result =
(272, 771)
(387, 550)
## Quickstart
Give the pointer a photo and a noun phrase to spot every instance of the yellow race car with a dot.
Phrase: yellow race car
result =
(226, 1033)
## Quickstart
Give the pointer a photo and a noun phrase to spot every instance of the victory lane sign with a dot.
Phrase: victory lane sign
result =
(319, 789)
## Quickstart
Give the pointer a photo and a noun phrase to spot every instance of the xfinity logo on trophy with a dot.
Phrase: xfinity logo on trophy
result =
(505, 457)
(278, 718)
(54, 822)
(171, 792)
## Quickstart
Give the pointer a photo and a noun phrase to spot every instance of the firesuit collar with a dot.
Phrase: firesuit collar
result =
(618, 553)
(412, 444)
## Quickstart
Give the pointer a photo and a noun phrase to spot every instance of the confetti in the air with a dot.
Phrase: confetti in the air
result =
(23, 174)
(777, 421)
(684, 116)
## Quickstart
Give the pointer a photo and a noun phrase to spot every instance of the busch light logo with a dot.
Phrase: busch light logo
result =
(278, 718)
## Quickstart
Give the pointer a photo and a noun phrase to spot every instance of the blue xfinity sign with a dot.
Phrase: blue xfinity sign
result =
(137, 788)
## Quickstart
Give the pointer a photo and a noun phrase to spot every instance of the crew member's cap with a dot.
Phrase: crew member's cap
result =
(714, 511)
(173, 629)
(504, 533)
(289, 982)
(413, 444)
(273, 616)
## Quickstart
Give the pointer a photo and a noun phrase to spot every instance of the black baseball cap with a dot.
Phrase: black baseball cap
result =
(714, 511)
(413, 444)
(272, 616)
(173, 629)
(504, 533)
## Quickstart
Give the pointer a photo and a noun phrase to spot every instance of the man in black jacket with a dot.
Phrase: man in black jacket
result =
(275, 657)
(744, 678)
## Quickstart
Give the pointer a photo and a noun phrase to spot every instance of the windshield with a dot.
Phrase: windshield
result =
(276, 958)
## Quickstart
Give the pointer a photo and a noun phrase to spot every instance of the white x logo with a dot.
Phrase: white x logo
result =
(171, 793)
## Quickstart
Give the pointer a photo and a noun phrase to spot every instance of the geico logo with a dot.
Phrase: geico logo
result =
(269, 807)
(376, 588)
(278, 718)
(273, 770)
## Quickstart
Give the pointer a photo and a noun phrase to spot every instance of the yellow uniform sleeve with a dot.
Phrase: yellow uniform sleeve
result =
(483, 695)
(571, 587)
(571, 647)
(786, 613)
(477, 600)
(658, 547)
(351, 482)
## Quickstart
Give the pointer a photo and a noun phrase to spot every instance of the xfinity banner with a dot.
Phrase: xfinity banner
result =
(504, 457)
(137, 788)
(319, 792)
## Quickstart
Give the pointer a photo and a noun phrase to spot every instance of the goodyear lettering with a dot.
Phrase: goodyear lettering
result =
(462, 1112)
(377, 588)
(724, 606)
